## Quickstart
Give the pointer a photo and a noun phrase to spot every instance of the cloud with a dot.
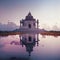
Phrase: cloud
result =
(8, 27)
(47, 27)
(56, 28)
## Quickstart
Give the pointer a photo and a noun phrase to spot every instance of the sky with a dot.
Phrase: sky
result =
(46, 11)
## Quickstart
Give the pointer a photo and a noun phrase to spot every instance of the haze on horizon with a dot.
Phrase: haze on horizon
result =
(46, 11)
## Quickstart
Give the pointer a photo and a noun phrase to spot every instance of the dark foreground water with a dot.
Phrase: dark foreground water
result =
(29, 47)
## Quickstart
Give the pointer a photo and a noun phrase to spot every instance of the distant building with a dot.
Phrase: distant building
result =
(29, 22)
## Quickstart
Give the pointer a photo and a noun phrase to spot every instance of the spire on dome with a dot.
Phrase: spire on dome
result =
(29, 14)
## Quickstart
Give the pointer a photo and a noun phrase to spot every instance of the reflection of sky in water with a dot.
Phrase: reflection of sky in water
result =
(48, 46)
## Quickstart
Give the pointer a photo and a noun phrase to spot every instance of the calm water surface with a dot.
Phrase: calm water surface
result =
(33, 47)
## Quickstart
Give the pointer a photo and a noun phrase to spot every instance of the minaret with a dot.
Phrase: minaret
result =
(37, 23)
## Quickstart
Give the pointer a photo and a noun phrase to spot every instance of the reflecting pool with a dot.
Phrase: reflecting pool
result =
(29, 47)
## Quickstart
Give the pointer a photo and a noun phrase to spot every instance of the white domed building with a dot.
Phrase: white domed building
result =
(29, 23)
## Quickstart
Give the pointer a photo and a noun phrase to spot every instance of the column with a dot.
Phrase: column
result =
(37, 23)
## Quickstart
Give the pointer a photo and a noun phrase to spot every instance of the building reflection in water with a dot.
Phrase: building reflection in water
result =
(29, 41)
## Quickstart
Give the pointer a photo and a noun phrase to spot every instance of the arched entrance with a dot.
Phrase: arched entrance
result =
(29, 25)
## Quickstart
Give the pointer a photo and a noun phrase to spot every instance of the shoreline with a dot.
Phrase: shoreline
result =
(52, 33)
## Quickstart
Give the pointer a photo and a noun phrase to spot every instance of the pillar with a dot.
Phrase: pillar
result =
(37, 24)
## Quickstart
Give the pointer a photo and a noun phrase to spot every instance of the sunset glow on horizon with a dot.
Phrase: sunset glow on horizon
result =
(46, 11)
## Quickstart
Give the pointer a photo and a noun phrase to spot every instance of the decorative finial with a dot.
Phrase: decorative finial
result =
(29, 14)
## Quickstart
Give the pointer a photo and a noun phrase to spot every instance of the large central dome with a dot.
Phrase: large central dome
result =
(29, 17)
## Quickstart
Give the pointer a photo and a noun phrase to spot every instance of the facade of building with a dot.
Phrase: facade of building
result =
(29, 22)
